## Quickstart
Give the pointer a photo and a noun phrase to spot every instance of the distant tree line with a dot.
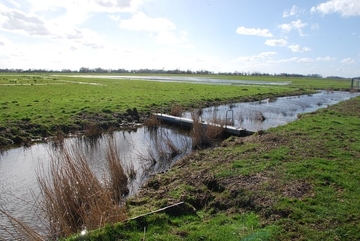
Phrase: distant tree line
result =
(161, 71)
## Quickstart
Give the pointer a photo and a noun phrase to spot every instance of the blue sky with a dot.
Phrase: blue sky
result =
(279, 36)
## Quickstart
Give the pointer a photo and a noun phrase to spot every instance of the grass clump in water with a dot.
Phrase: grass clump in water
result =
(74, 199)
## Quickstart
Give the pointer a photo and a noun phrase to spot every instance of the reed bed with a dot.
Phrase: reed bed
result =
(117, 181)
(203, 137)
(92, 130)
(73, 199)
(176, 110)
(152, 122)
(21, 230)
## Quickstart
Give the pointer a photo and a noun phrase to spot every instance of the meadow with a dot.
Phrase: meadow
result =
(37, 106)
(294, 182)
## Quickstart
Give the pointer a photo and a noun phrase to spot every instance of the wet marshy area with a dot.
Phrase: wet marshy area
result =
(143, 152)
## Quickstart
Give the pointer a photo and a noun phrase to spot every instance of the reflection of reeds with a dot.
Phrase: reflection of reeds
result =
(21, 230)
(163, 150)
(73, 197)
(259, 117)
(272, 99)
(255, 116)
(130, 171)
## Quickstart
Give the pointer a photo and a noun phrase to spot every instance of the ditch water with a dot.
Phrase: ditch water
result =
(144, 151)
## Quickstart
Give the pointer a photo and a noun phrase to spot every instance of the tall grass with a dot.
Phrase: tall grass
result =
(73, 198)
(21, 230)
(152, 122)
(92, 130)
(204, 136)
(117, 181)
(176, 110)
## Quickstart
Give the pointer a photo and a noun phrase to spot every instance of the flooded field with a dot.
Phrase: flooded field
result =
(185, 79)
(143, 151)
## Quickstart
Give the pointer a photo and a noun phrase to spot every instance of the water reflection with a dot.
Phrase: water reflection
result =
(144, 151)
(18, 167)
(268, 113)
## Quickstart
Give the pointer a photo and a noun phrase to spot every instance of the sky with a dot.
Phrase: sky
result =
(278, 36)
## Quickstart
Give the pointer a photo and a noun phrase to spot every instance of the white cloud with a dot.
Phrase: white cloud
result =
(8, 49)
(298, 48)
(164, 29)
(348, 61)
(114, 3)
(294, 25)
(114, 17)
(276, 42)
(282, 61)
(76, 12)
(170, 38)
(254, 31)
(87, 6)
(293, 59)
(261, 56)
(305, 60)
(327, 58)
(13, 3)
(344, 7)
(17, 21)
(300, 60)
(315, 26)
(287, 27)
(293, 11)
(141, 22)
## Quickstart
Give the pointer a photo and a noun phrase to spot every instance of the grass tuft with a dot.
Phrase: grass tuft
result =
(73, 198)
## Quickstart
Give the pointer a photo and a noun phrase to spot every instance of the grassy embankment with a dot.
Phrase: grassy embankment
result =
(36, 106)
(295, 182)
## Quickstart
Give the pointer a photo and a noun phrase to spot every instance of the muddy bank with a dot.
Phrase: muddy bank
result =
(283, 175)
(24, 132)
(196, 183)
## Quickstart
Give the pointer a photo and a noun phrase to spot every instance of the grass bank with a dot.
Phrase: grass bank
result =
(294, 182)
(38, 106)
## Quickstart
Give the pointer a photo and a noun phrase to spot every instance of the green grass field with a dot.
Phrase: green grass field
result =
(294, 182)
(34, 106)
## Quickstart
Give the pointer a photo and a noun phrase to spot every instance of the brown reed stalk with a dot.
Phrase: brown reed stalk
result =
(74, 198)
(21, 231)
(92, 130)
(118, 180)
(204, 136)
(152, 122)
(176, 110)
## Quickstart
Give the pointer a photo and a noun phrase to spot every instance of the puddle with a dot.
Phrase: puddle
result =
(185, 79)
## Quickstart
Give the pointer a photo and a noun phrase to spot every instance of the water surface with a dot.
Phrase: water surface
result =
(138, 149)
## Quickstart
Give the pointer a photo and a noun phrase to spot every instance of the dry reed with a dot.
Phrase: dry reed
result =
(118, 180)
(21, 231)
(152, 122)
(176, 110)
(92, 130)
(204, 136)
(74, 198)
